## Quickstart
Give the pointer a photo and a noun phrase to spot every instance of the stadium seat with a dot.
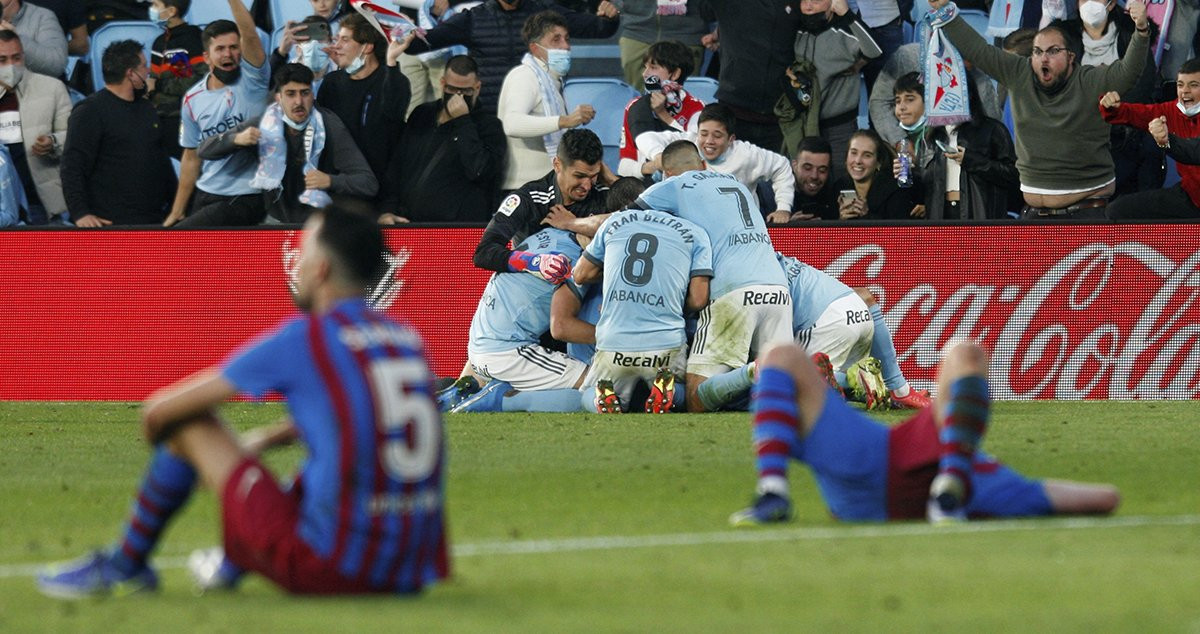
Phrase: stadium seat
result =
(209, 10)
(977, 19)
(702, 88)
(139, 30)
(609, 97)
(294, 10)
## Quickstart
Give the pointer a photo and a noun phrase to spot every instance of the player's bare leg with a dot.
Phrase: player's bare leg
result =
(788, 398)
(1081, 498)
(961, 410)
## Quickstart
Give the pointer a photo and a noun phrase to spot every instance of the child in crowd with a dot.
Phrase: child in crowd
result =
(176, 63)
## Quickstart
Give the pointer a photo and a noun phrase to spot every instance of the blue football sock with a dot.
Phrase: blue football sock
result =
(884, 349)
(967, 411)
(561, 400)
(166, 486)
(719, 390)
(776, 428)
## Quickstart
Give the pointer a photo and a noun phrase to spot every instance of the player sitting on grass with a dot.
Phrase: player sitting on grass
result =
(365, 512)
(655, 267)
(929, 466)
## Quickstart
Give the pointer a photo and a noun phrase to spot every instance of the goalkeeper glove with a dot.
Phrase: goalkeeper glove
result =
(552, 267)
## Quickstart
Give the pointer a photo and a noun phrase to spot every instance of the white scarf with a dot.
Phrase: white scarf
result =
(272, 153)
(1103, 50)
(553, 104)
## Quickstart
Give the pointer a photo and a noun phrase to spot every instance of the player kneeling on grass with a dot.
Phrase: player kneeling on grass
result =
(365, 513)
(929, 466)
(654, 267)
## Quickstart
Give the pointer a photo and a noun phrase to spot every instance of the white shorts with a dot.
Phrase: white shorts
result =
(740, 323)
(626, 369)
(844, 332)
(529, 367)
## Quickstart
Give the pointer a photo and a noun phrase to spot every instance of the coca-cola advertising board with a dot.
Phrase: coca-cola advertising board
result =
(1068, 311)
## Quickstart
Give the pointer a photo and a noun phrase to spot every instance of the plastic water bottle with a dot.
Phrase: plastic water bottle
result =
(904, 178)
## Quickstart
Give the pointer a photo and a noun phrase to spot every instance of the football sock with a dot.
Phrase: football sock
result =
(716, 391)
(967, 412)
(166, 486)
(561, 400)
(776, 428)
(884, 349)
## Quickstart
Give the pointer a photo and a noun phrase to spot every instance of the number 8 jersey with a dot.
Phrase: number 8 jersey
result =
(371, 488)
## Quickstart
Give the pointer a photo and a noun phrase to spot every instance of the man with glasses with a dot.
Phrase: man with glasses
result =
(1062, 154)
(450, 146)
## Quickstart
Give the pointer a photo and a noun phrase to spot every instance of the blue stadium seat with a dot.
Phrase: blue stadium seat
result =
(920, 8)
(139, 30)
(702, 88)
(205, 11)
(977, 19)
(294, 10)
(609, 97)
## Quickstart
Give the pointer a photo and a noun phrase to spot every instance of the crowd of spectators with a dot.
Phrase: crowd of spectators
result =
(1072, 115)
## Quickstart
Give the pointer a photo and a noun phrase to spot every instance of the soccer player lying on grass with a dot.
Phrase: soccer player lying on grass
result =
(929, 466)
(365, 512)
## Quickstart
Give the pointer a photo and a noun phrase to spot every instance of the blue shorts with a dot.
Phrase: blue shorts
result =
(850, 456)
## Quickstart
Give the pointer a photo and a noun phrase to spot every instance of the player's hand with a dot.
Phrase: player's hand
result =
(248, 137)
(552, 267)
(456, 106)
(1110, 99)
(388, 218)
(779, 217)
(396, 48)
(43, 145)
(92, 221)
(1158, 130)
(317, 179)
(607, 10)
(559, 217)
(1137, 11)
(917, 212)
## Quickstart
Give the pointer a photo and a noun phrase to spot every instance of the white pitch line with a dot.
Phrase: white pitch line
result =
(747, 536)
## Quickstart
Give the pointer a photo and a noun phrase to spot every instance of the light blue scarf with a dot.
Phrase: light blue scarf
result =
(272, 153)
(12, 193)
(944, 75)
(1005, 17)
(552, 101)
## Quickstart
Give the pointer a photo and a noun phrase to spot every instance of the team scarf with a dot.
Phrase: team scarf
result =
(944, 75)
(672, 7)
(552, 101)
(272, 153)
(12, 193)
(1005, 17)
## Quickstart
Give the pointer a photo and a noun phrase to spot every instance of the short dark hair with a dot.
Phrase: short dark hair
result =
(814, 145)
(463, 65)
(909, 82)
(1190, 66)
(288, 73)
(540, 23)
(1073, 44)
(216, 29)
(9, 36)
(680, 154)
(181, 5)
(623, 192)
(671, 55)
(364, 33)
(580, 144)
(355, 243)
(119, 58)
(719, 113)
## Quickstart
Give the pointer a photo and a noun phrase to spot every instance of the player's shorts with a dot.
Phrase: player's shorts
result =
(627, 369)
(260, 523)
(843, 332)
(738, 323)
(529, 367)
(863, 477)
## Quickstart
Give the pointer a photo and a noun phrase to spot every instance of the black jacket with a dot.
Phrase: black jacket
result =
(989, 183)
(757, 38)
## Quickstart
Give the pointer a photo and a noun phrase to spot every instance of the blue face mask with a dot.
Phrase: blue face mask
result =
(356, 65)
(311, 55)
(156, 17)
(558, 60)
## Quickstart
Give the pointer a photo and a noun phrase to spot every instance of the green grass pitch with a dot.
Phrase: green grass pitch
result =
(583, 523)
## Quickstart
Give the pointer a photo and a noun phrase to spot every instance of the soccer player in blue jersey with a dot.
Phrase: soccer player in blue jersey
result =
(929, 466)
(365, 512)
(655, 266)
(235, 90)
(751, 307)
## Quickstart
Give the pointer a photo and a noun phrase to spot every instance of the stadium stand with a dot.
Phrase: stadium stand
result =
(205, 11)
(702, 88)
(139, 30)
(608, 96)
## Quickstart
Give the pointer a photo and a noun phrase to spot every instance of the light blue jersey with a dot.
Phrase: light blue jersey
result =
(813, 290)
(515, 308)
(589, 311)
(208, 113)
(741, 249)
(649, 257)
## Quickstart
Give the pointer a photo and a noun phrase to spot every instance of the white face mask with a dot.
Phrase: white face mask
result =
(356, 65)
(1093, 13)
(1190, 111)
(12, 74)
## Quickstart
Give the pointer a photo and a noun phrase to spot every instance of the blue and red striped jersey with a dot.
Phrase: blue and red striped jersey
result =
(360, 393)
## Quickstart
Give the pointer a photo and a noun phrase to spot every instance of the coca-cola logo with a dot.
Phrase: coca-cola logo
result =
(1103, 321)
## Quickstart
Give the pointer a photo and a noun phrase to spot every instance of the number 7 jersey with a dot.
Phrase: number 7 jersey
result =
(742, 253)
(371, 487)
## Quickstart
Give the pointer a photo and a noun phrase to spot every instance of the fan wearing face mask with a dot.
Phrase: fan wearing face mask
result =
(176, 64)
(297, 46)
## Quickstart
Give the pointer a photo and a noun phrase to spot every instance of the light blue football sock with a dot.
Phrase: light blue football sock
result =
(717, 391)
(561, 400)
(884, 349)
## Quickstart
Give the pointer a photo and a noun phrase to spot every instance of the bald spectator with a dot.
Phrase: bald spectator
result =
(42, 37)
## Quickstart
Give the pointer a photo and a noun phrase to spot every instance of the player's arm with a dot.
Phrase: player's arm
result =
(565, 324)
(492, 253)
(587, 270)
(561, 218)
(252, 46)
(171, 407)
(697, 294)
